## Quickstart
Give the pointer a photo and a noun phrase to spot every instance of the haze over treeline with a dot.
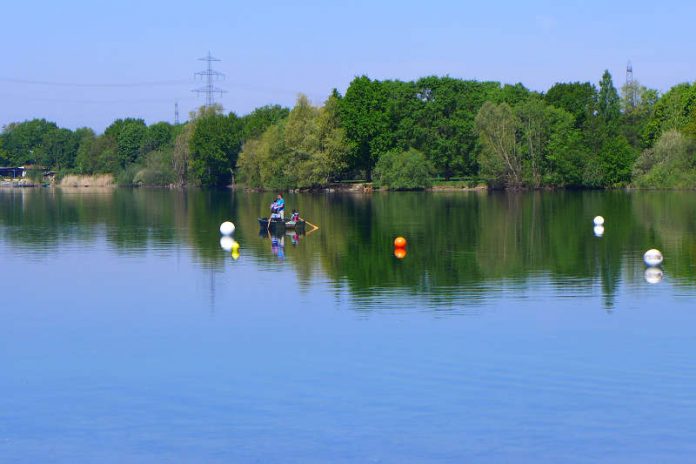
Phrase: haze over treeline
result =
(399, 134)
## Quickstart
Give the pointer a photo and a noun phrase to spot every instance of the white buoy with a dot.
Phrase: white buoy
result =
(598, 221)
(598, 231)
(227, 228)
(653, 258)
(227, 243)
(653, 275)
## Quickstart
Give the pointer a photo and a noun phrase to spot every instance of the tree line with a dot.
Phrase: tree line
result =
(398, 134)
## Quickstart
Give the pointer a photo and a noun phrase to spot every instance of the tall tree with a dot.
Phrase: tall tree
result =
(500, 159)
(128, 135)
(85, 161)
(215, 144)
(637, 106)
(181, 154)
(366, 121)
(608, 103)
(443, 122)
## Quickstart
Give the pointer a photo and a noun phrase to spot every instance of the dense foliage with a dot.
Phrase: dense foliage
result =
(306, 149)
(403, 170)
(574, 135)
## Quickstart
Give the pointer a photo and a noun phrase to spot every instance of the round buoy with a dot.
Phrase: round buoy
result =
(400, 253)
(227, 243)
(598, 221)
(653, 258)
(400, 242)
(598, 231)
(227, 228)
(235, 255)
(653, 275)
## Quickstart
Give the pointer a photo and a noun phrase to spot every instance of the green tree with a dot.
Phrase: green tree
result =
(308, 149)
(128, 135)
(181, 155)
(670, 163)
(262, 160)
(608, 103)
(4, 156)
(58, 149)
(577, 98)
(500, 160)
(24, 141)
(85, 159)
(157, 169)
(442, 122)
(513, 94)
(256, 122)
(366, 122)
(408, 170)
(616, 162)
(637, 105)
(215, 144)
(676, 109)
(157, 136)
(329, 158)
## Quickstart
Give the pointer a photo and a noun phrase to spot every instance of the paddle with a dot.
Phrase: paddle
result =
(270, 216)
(315, 227)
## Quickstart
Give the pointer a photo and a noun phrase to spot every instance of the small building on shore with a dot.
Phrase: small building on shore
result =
(13, 172)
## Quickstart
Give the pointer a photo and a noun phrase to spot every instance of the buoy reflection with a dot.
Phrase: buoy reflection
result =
(653, 275)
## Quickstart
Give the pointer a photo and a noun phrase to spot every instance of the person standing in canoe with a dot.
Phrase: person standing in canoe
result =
(278, 206)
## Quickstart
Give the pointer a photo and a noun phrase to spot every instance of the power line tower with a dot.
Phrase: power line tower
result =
(176, 113)
(210, 76)
(631, 86)
(629, 73)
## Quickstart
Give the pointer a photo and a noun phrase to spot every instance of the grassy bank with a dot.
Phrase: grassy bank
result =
(96, 180)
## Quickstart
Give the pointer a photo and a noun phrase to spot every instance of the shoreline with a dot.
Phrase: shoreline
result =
(106, 182)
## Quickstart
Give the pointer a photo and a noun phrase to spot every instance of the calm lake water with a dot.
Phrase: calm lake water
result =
(508, 333)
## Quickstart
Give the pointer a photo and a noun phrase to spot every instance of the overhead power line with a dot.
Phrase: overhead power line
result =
(95, 85)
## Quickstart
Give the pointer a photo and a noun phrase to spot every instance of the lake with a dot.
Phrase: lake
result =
(508, 333)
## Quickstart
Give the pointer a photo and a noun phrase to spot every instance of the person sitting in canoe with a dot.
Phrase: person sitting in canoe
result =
(278, 207)
(295, 216)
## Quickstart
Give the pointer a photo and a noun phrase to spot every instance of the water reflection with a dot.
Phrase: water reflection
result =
(460, 244)
(653, 275)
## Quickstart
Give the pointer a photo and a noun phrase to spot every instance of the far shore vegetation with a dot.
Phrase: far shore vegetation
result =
(433, 132)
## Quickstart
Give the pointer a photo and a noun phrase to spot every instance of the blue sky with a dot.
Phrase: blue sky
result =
(136, 58)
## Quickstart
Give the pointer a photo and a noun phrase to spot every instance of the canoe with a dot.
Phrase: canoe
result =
(280, 225)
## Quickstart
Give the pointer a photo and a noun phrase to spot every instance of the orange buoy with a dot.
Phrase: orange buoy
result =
(400, 253)
(400, 242)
